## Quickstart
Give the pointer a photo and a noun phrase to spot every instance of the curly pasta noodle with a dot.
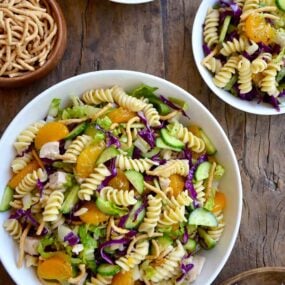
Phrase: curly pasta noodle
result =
(58, 222)
(20, 162)
(224, 76)
(261, 62)
(170, 265)
(126, 101)
(200, 189)
(53, 206)
(89, 186)
(245, 75)
(135, 257)
(216, 232)
(171, 216)
(16, 204)
(213, 64)
(29, 182)
(268, 83)
(28, 34)
(75, 148)
(234, 46)
(152, 215)
(211, 27)
(26, 137)
(14, 228)
(98, 96)
(140, 165)
(193, 142)
(119, 197)
(100, 280)
(182, 199)
(178, 166)
(151, 115)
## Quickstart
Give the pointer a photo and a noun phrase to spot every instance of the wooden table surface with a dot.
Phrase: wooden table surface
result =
(156, 38)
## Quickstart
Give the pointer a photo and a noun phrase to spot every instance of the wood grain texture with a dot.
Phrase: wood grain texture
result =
(156, 38)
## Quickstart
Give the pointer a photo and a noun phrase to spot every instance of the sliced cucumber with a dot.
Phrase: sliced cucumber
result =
(131, 222)
(202, 217)
(136, 179)
(107, 154)
(190, 245)
(108, 269)
(224, 29)
(170, 140)
(77, 131)
(151, 153)
(231, 83)
(210, 148)
(70, 200)
(280, 4)
(162, 108)
(280, 74)
(164, 242)
(207, 242)
(128, 150)
(6, 199)
(203, 171)
(181, 103)
(161, 144)
(109, 208)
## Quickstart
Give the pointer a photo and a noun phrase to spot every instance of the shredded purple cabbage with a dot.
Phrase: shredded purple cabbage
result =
(235, 11)
(173, 106)
(158, 159)
(40, 186)
(137, 153)
(61, 146)
(206, 49)
(122, 221)
(142, 117)
(148, 178)
(272, 100)
(111, 165)
(147, 134)
(71, 238)
(185, 236)
(25, 151)
(26, 215)
(139, 210)
(112, 140)
(185, 268)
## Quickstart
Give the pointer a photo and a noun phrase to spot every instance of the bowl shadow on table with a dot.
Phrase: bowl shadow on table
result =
(259, 276)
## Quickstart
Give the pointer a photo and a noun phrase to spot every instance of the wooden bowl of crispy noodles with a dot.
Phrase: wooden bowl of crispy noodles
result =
(33, 38)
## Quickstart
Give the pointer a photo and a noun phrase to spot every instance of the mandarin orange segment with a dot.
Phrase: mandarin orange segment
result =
(120, 181)
(17, 178)
(93, 216)
(220, 202)
(50, 132)
(177, 183)
(123, 278)
(195, 130)
(121, 115)
(57, 267)
(257, 29)
(87, 159)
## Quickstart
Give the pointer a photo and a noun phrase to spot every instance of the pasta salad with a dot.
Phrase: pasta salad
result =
(244, 46)
(114, 189)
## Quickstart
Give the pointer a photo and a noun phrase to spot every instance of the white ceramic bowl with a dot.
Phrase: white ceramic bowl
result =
(37, 109)
(197, 42)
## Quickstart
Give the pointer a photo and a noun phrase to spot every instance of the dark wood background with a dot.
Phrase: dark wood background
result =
(156, 38)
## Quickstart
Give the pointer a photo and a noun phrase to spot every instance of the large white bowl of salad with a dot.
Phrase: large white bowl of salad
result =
(117, 177)
(238, 46)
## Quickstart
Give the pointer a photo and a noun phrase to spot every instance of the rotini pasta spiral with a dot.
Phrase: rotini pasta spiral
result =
(151, 115)
(268, 83)
(170, 265)
(213, 64)
(119, 197)
(177, 166)
(224, 76)
(75, 148)
(152, 215)
(194, 143)
(140, 165)
(200, 189)
(182, 199)
(100, 280)
(211, 27)
(53, 206)
(89, 186)
(234, 46)
(16, 204)
(14, 228)
(216, 232)
(136, 256)
(260, 63)
(172, 216)
(126, 101)
(20, 162)
(29, 182)
(245, 75)
(98, 96)
(26, 137)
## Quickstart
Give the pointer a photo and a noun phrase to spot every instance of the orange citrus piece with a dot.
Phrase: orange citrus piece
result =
(17, 178)
(57, 267)
(93, 216)
(53, 131)
(123, 278)
(87, 159)
(177, 183)
(121, 115)
(220, 202)
(257, 29)
(120, 181)
(195, 130)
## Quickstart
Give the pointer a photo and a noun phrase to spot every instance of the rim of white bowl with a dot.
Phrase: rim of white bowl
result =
(251, 107)
(180, 90)
(131, 1)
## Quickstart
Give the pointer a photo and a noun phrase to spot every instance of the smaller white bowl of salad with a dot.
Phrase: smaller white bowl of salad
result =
(109, 178)
(239, 47)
